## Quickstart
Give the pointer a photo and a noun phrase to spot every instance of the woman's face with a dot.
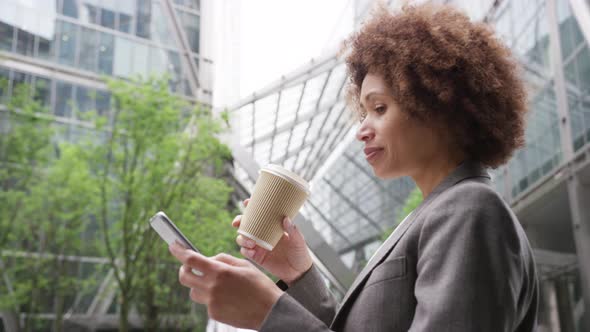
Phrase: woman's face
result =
(395, 145)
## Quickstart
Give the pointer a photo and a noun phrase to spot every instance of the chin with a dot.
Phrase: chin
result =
(386, 174)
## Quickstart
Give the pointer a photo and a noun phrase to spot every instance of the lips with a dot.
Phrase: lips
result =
(372, 152)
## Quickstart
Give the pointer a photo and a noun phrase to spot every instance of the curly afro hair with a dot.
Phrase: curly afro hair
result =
(446, 71)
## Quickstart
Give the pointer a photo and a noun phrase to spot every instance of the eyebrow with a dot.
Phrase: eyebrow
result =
(369, 95)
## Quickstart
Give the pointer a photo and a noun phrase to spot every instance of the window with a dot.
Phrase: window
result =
(174, 70)
(107, 18)
(6, 36)
(105, 54)
(89, 14)
(42, 92)
(123, 57)
(583, 59)
(63, 99)
(88, 49)
(190, 24)
(124, 23)
(70, 8)
(144, 14)
(140, 59)
(84, 101)
(67, 48)
(157, 61)
(103, 102)
(45, 48)
(160, 28)
(135, 58)
(25, 42)
(19, 80)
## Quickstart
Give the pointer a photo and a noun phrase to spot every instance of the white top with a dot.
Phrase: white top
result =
(390, 235)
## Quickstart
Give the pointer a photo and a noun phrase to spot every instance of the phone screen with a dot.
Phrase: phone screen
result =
(169, 232)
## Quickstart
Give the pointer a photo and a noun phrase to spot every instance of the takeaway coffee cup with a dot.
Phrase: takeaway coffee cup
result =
(277, 193)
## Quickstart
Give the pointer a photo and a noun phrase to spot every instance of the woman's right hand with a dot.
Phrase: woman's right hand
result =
(289, 259)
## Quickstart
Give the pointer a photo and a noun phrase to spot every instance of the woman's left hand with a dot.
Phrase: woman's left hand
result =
(234, 291)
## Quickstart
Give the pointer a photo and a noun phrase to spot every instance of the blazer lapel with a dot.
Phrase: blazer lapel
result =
(379, 256)
(466, 170)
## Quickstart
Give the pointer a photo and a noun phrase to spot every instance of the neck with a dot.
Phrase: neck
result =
(432, 173)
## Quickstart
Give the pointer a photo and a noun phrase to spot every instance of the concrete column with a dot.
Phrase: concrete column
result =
(579, 196)
(564, 305)
(549, 322)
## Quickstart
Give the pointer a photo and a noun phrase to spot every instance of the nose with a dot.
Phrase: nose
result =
(365, 132)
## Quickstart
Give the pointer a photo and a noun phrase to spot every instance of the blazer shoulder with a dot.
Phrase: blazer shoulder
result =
(471, 194)
(472, 203)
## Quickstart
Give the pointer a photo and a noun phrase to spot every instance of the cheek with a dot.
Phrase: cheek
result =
(404, 145)
(398, 139)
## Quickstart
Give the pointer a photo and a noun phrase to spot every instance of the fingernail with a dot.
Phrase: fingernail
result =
(250, 253)
(289, 224)
(173, 246)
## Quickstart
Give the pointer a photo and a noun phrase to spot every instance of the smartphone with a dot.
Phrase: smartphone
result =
(170, 233)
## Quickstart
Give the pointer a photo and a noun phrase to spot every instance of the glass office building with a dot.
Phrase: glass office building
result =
(65, 48)
(70, 44)
(300, 121)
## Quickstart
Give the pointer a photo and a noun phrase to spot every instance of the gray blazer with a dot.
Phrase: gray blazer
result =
(460, 262)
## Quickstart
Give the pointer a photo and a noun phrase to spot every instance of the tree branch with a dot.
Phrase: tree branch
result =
(104, 201)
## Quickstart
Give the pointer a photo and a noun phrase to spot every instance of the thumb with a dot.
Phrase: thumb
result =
(292, 230)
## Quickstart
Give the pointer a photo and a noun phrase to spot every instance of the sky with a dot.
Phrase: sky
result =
(278, 36)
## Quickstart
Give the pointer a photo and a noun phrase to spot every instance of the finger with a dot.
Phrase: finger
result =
(248, 253)
(198, 296)
(292, 230)
(187, 278)
(229, 259)
(246, 201)
(243, 241)
(259, 255)
(237, 220)
(193, 259)
(288, 225)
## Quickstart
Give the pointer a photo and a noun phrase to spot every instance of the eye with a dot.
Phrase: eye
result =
(380, 109)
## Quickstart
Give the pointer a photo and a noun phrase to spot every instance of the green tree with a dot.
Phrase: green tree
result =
(411, 203)
(156, 152)
(45, 199)
(150, 161)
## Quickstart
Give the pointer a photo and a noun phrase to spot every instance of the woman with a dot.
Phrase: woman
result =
(439, 100)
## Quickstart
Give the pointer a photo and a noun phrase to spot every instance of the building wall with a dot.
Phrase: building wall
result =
(64, 48)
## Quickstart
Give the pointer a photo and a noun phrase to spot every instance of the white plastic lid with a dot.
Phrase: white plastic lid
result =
(287, 175)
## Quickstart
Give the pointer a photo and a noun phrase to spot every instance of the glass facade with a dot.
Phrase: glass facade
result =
(64, 49)
(118, 38)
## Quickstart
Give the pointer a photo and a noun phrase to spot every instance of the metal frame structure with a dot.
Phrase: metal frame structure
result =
(577, 188)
